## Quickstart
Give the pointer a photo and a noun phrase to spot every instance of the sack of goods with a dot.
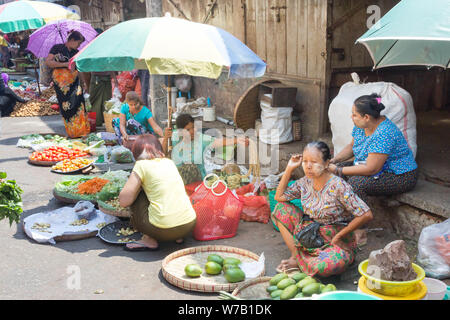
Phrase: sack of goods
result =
(399, 109)
(276, 124)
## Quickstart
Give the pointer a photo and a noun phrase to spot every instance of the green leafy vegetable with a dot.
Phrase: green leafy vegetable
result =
(10, 199)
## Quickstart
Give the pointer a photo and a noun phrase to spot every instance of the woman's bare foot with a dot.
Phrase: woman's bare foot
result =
(146, 241)
(290, 263)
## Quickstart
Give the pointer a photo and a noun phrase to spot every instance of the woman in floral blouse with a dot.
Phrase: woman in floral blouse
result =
(326, 199)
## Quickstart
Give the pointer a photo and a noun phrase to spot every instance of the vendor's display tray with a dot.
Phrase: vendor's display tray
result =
(173, 268)
(253, 289)
(109, 233)
(122, 213)
(42, 163)
(73, 171)
(71, 237)
(68, 200)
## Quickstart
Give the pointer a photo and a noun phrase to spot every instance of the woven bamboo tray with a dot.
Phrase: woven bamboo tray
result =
(42, 163)
(253, 289)
(248, 109)
(71, 237)
(122, 213)
(69, 200)
(173, 268)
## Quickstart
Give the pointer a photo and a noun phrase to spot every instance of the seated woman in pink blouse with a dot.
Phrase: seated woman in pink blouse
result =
(326, 199)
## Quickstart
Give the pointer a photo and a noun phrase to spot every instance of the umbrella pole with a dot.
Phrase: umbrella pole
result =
(37, 79)
(169, 113)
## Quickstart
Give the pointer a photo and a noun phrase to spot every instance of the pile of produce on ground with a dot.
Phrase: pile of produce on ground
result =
(113, 205)
(56, 154)
(105, 187)
(36, 107)
(38, 142)
(216, 265)
(10, 199)
(298, 285)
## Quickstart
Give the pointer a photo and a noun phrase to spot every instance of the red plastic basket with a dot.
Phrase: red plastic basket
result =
(218, 212)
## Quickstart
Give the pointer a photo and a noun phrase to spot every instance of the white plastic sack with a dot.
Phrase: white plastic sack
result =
(399, 109)
(276, 124)
(434, 250)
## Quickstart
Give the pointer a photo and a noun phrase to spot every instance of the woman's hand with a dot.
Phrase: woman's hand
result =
(295, 162)
(337, 241)
(167, 133)
(125, 136)
(332, 168)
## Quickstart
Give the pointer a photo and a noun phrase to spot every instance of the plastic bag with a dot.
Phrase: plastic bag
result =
(121, 155)
(310, 237)
(276, 124)
(85, 210)
(114, 104)
(255, 209)
(434, 250)
(218, 212)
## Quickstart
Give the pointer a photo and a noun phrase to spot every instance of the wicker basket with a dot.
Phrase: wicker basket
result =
(173, 268)
(108, 121)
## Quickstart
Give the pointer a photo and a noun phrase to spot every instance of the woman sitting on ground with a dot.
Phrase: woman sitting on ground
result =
(326, 199)
(163, 211)
(134, 119)
(190, 145)
(384, 164)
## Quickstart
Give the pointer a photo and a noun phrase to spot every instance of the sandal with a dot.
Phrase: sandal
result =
(143, 247)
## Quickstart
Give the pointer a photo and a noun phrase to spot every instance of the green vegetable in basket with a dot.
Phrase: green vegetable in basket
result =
(109, 191)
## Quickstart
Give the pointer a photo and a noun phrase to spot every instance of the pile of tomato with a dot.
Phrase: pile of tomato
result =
(56, 154)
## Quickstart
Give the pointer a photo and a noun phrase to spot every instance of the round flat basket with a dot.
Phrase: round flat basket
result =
(71, 237)
(68, 200)
(247, 109)
(253, 289)
(118, 213)
(173, 268)
(73, 171)
(109, 233)
(42, 163)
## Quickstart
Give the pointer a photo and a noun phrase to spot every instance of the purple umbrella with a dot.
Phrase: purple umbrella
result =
(57, 32)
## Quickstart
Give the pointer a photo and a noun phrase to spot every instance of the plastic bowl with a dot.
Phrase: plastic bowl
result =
(344, 295)
(436, 289)
(391, 288)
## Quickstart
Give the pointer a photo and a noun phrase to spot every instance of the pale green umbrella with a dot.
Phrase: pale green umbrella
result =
(414, 32)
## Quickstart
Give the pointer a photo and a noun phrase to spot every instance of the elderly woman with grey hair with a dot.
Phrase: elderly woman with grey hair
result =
(320, 239)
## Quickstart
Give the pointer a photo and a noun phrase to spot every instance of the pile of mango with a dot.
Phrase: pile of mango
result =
(298, 285)
(215, 265)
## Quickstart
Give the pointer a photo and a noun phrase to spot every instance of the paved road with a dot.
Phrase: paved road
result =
(38, 271)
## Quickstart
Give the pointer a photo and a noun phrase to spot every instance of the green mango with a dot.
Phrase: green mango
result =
(305, 282)
(299, 276)
(328, 288)
(311, 289)
(277, 278)
(213, 268)
(283, 284)
(229, 266)
(234, 275)
(193, 270)
(215, 258)
(322, 286)
(271, 289)
(276, 293)
(289, 292)
(299, 295)
(231, 261)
